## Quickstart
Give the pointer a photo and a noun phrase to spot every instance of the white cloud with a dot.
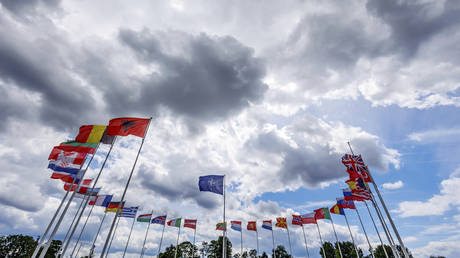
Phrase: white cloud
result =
(392, 186)
(434, 135)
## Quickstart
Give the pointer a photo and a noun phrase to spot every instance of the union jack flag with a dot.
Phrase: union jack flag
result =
(356, 167)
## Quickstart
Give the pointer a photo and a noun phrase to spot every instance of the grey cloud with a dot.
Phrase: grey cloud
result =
(28, 7)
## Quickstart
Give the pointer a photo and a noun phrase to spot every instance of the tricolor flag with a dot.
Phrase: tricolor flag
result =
(252, 226)
(190, 223)
(113, 206)
(144, 218)
(221, 226)
(337, 210)
(235, 225)
(322, 213)
(159, 220)
(129, 212)
(267, 224)
(90, 133)
(308, 218)
(211, 183)
(281, 223)
(345, 204)
(175, 222)
(297, 220)
(68, 146)
(125, 126)
(101, 200)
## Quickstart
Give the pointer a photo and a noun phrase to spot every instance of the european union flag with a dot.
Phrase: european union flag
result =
(212, 183)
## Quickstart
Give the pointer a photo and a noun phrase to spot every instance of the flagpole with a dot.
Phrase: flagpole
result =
(56, 227)
(97, 234)
(385, 229)
(71, 225)
(177, 242)
(129, 236)
(321, 239)
(86, 200)
(305, 239)
(224, 242)
(113, 236)
(351, 234)
(76, 255)
(161, 239)
(257, 238)
(406, 254)
(365, 233)
(376, 229)
(289, 239)
(126, 188)
(273, 240)
(82, 229)
(336, 238)
(193, 250)
(241, 240)
(146, 233)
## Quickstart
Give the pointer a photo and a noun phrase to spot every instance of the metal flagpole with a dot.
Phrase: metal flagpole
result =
(71, 225)
(82, 229)
(336, 238)
(385, 228)
(241, 241)
(289, 239)
(124, 191)
(321, 239)
(146, 233)
(161, 239)
(305, 239)
(376, 230)
(406, 254)
(58, 223)
(257, 238)
(193, 250)
(129, 236)
(351, 234)
(95, 237)
(365, 233)
(76, 255)
(84, 207)
(224, 242)
(177, 242)
(273, 240)
(113, 236)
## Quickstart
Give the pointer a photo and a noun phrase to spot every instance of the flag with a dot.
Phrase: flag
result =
(356, 167)
(129, 212)
(85, 190)
(337, 210)
(175, 222)
(221, 226)
(124, 126)
(252, 226)
(101, 200)
(212, 183)
(89, 148)
(73, 157)
(159, 220)
(347, 194)
(90, 133)
(190, 223)
(345, 204)
(85, 183)
(113, 206)
(267, 224)
(63, 165)
(322, 213)
(281, 223)
(235, 225)
(308, 218)
(144, 218)
(359, 190)
(297, 220)
(66, 177)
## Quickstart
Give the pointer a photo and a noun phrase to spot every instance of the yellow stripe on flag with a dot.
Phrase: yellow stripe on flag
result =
(96, 133)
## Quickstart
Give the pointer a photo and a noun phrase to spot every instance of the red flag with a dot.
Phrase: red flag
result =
(190, 223)
(124, 126)
(297, 220)
(252, 225)
(76, 158)
(85, 183)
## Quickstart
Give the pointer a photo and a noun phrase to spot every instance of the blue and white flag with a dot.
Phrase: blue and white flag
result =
(212, 183)
(129, 212)
(267, 224)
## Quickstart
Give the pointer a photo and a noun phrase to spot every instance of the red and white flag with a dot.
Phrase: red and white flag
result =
(190, 223)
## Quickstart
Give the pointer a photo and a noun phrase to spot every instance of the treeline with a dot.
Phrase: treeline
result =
(24, 246)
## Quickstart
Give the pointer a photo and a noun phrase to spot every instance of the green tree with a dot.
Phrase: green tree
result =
(280, 252)
(379, 253)
(188, 249)
(264, 255)
(169, 252)
(214, 248)
(348, 250)
(328, 249)
(253, 253)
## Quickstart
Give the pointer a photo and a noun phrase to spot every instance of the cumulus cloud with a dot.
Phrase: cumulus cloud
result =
(392, 186)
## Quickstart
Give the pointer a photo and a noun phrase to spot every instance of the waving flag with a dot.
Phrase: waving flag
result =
(83, 189)
(190, 223)
(281, 223)
(175, 222)
(221, 226)
(144, 218)
(101, 200)
(344, 204)
(66, 177)
(212, 183)
(129, 212)
(89, 148)
(85, 183)
(73, 157)
(322, 213)
(113, 206)
(297, 220)
(308, 218)
(124, 126)
(337, 210)
(358, 190)
(252, 226)
(235, 225)
(159, 220)
(356, 167)
(267, 224)
(90, 133)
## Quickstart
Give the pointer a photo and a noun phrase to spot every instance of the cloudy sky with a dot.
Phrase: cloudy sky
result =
(266, 92)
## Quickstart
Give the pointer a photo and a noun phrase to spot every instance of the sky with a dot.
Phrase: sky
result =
(266, 92)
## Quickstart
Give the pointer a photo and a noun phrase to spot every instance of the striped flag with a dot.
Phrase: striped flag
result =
(129, 212)
(159, 220)
(175, 222)
(190, 223)
(235, 225)
(144, 218)
(267, 224)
